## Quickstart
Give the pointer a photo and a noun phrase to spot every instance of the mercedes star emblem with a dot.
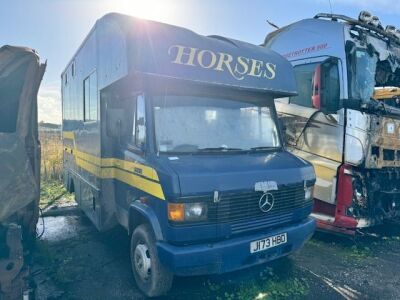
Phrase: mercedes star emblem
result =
(266, 202)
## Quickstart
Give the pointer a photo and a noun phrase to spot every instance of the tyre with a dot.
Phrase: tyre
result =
(152, 278)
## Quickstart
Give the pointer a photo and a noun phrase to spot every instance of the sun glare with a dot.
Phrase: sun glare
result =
(147, 9)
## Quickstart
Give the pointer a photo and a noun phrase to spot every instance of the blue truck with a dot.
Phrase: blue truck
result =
(174, 136)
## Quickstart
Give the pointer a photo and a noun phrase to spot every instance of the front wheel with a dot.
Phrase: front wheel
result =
(152, 278)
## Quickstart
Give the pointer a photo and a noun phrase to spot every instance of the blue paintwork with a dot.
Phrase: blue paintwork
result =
(232, 254)
(148, 214)
(199, 174)
(205, 233)
(142, 46)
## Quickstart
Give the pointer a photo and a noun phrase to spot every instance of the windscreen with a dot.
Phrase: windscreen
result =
(195, 124)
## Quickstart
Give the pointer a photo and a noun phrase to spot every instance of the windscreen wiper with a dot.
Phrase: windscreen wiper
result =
(219, 149)
(261, 148)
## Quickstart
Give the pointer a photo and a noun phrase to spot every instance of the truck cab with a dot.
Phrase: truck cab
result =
(175, 137)
(345, 119)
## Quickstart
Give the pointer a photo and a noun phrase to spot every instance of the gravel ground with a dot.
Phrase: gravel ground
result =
(74, 261)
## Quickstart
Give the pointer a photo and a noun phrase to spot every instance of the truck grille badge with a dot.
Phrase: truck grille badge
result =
(266, 202)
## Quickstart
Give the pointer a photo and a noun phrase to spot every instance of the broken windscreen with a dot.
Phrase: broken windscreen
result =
(362, 82)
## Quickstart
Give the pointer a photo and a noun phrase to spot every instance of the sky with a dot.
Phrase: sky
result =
(56, 28)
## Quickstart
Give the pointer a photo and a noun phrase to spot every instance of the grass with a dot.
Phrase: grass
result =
(52, 154)
(266, 285)
(344, 248)
(51, 191)
(358, 253)
(272, 288)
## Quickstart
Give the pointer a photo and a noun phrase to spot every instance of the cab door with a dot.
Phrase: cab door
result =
(135, 152)
(124, 147)
(315, 121)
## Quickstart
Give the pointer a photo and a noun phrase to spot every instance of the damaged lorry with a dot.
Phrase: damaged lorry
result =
(20, 75)
(174, 136)
(346, 118)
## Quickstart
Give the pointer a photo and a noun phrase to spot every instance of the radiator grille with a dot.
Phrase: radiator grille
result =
(242, 212)
(237, 206)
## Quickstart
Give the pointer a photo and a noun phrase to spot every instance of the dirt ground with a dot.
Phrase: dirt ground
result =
(74, 261)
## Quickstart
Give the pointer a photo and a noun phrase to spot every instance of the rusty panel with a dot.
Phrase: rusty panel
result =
(384, 150)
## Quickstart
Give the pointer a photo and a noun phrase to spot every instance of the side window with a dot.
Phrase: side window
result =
(304, 76)
(140, 122)
(90, 97)
(86, 98)
(93, 96)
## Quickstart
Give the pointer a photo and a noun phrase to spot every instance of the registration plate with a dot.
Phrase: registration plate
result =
(268, 242)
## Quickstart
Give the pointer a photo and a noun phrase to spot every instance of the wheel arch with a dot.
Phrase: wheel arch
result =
(140, 213)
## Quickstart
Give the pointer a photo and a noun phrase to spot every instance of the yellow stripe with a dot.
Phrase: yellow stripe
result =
(95, 170)
(68, 135)
(88, 157)
(110, 168)
(115, 162)
(141, 183)
(131, 166)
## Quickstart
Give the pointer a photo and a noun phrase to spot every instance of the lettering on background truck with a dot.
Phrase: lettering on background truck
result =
(181, 146)
(346, 118)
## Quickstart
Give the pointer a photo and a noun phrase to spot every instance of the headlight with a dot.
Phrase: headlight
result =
(190, 212)
(195, 211)
(308, 193)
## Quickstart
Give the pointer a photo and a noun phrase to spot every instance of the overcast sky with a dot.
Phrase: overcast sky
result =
(55, 28)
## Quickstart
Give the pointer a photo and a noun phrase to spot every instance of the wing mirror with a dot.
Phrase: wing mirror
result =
(316, 88)
(325, 94)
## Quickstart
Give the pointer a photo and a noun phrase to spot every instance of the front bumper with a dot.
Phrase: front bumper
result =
(232, 254)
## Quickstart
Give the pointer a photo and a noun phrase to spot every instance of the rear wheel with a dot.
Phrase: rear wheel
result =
(152, 278)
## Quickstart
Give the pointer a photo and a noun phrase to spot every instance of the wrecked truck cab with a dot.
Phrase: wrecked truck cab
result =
(20, 75)
(174, 136)
(343, 121)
